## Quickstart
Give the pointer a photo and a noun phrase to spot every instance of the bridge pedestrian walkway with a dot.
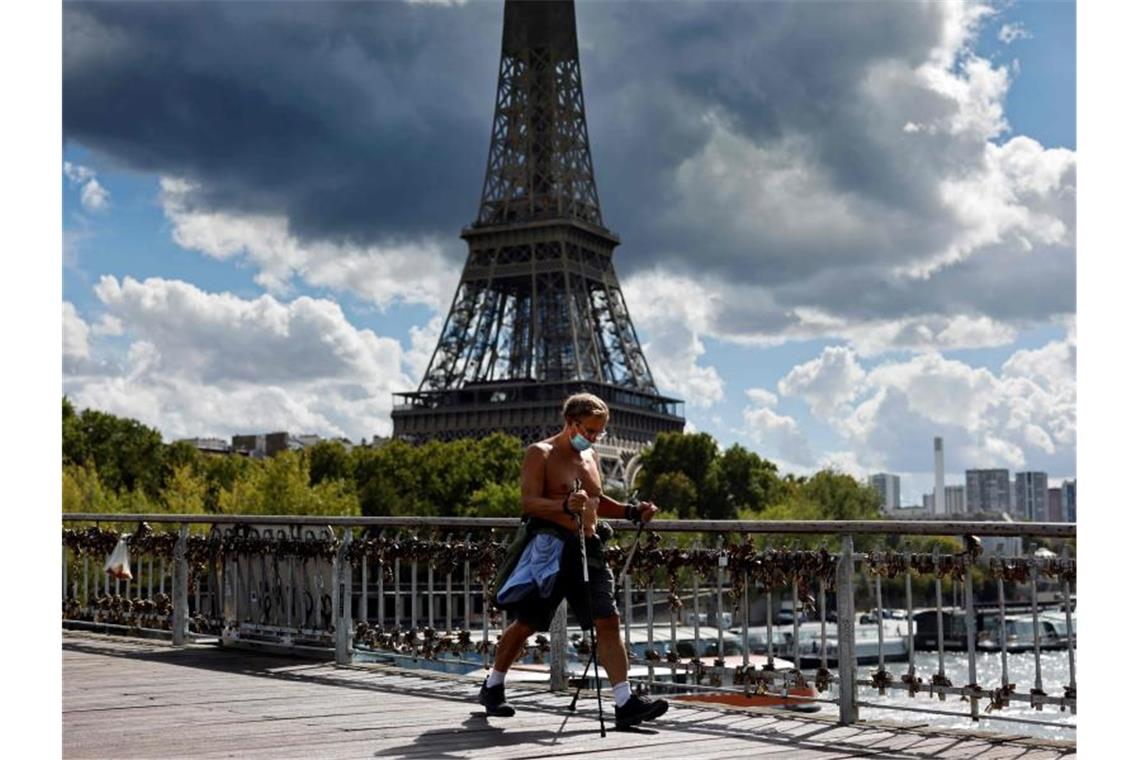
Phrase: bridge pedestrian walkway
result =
(132, 698)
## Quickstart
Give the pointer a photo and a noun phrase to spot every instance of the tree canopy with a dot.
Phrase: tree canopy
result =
(687, 474)
(112, 464)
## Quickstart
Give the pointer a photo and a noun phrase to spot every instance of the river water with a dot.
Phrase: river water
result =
(1054, 679)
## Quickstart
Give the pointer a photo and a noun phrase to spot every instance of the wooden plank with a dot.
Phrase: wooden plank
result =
(126, 699)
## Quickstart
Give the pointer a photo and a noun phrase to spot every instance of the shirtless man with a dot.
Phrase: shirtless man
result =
(549, 470)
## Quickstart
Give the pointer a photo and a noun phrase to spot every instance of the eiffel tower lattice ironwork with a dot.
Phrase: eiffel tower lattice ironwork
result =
(538, 313)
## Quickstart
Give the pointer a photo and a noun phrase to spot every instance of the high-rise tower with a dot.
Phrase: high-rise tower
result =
(939, 479)
(538, 314)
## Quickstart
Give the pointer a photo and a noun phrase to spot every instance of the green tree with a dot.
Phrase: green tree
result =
(387, 478)
(185, 492)
(841, 496)
(499, 458)
(715, 501)
(495, 500)
(220, 473)
(285, 485)
(333, 497)
(243, 492)
(126, 453)
(136, 501)
(752, 481)
(175, 456)
(794, 506)
(447, 476)
(74, 441)
(675, 492)
(329, 460)
(83, 491)
(689, 453)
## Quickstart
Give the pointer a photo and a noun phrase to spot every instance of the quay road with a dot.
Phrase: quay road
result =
(136, 698)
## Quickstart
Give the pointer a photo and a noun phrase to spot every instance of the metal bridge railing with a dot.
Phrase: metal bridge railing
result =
(416, 588)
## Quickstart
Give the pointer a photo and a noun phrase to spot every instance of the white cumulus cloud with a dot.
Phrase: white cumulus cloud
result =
(777, 436)
(75, 333)
(762, 397)
(827, 383)
(92, 195)
(407, 271)
(201, 363)
(1022, 415)
(673, 311)
(1011, 32)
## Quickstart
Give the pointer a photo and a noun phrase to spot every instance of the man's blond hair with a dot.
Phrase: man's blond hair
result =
(584, 405)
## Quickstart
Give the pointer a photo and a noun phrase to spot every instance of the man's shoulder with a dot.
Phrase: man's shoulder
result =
(540, 449)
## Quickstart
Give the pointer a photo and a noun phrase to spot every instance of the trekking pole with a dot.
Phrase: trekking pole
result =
(617, 581)
(592, 627)
(629, 557)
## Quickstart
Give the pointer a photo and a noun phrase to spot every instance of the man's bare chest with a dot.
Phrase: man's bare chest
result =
(560, 476)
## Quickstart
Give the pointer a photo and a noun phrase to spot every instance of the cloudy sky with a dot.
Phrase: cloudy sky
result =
(847, 228)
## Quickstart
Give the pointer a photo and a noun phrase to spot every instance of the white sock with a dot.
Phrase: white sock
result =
(498, 677)
(621, 693)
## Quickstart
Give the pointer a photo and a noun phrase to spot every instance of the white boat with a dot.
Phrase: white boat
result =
(894, 646)
(1052, 633)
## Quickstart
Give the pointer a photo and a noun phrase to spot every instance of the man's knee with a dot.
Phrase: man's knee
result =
(607, 624)
(521, 628)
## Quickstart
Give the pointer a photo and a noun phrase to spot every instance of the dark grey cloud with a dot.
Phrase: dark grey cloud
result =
(356, 120)
(368, 121)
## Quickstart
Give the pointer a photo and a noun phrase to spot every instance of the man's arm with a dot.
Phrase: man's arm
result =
(608, 507)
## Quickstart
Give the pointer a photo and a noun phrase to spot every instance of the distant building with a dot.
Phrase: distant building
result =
(1009, 546)
(888, 487)
(261, 445)
(908, 512)
(1069, 501)
(208, 445)
(1005, 546)
(1031, 490)
(305, 441)
(955, 500)
(939, 506)
(1055, 514)
(987, 490)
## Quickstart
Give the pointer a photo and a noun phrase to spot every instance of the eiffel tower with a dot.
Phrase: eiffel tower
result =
(538, 314)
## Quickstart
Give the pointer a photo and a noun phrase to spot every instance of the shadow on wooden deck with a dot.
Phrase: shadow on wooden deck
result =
(119, 691)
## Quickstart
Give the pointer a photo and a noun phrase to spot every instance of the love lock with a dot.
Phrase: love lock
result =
(881, 679)
(697, 668)
(972, 691)
(1037, 698)
(939, 680)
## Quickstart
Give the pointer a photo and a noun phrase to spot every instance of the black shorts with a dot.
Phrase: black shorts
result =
(537, 612)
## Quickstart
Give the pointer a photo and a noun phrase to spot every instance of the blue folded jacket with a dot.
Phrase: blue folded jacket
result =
(537, 569)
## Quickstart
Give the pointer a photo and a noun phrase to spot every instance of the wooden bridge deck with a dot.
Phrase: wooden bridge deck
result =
(125, 698)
